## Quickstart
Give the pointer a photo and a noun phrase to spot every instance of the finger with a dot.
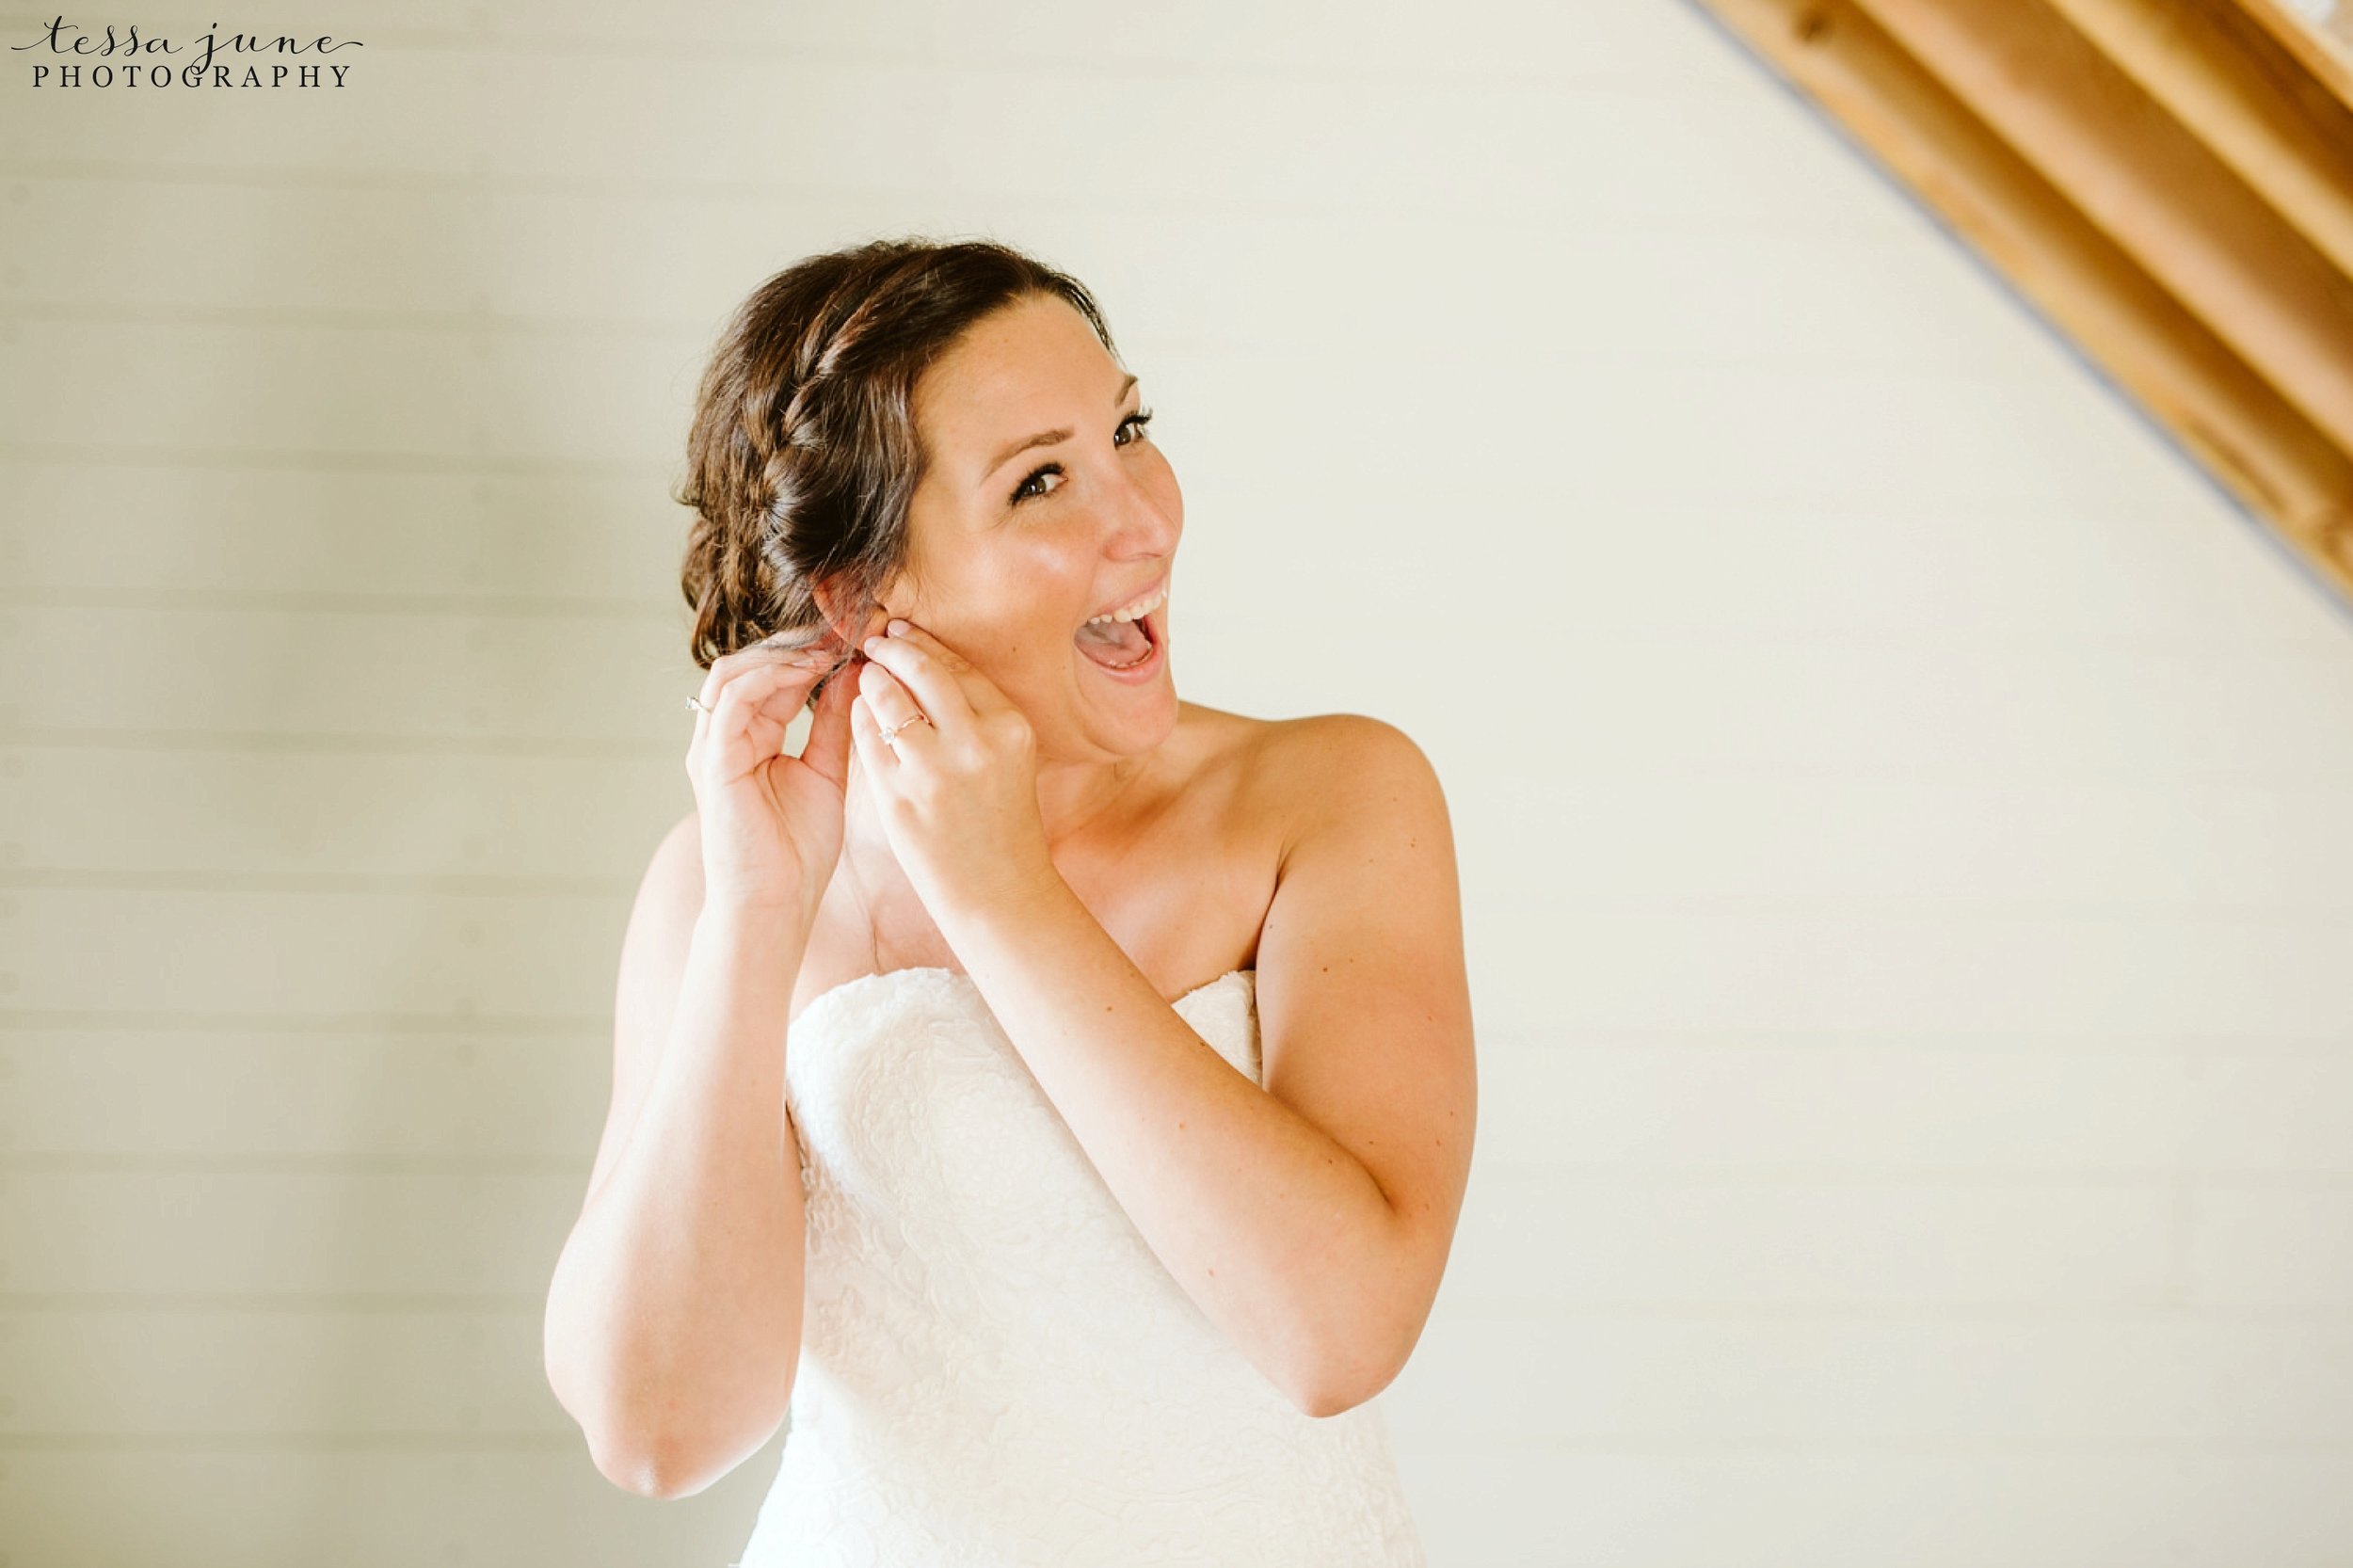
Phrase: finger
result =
(795, 646)
(767, 696)
(743, 733)
(732, 665)
(892, 704)
(923, 667)
(827, 747)
(875, 757)
(899, 629)
(895, 710)
(794, 639)
(769, 652)
(984, 695)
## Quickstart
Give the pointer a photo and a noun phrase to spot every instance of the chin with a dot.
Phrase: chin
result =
(1129, 721)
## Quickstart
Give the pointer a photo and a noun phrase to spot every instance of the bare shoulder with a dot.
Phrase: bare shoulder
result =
(1297, 750)
(1326, 769)
(1343, 738)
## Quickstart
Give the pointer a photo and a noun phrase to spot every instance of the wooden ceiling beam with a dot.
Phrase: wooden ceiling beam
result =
(2248, 102)
(2171, 186)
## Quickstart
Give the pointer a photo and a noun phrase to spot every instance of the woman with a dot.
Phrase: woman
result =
(1129, 1085)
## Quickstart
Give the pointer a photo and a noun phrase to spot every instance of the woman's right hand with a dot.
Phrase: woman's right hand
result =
(771, 823)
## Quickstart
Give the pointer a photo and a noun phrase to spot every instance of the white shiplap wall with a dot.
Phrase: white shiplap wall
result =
(1901, 801)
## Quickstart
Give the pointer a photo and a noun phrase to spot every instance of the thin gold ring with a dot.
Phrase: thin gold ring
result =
(891, 732)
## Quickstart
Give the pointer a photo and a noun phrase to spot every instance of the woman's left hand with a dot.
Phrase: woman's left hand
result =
(957, 794)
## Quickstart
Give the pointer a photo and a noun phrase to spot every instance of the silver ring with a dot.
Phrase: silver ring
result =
(697, 704)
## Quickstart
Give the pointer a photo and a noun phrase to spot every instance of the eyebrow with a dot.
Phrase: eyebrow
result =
(1046, 438)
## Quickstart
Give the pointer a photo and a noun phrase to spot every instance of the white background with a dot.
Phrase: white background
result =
(1901, 801)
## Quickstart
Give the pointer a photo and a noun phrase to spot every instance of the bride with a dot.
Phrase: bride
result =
(1055, 1098)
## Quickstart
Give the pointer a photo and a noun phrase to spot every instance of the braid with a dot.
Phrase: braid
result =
(802, 456)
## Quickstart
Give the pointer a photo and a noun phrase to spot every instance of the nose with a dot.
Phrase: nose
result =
(1142, 519)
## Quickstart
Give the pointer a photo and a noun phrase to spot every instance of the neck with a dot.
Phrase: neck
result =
(1072, 794)
(1071, 797)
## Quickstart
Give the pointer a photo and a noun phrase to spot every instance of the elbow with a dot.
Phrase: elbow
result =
(663, 1456)
(637, 1471)
(1367, 1322)
(1320, 1406)
(620, 1449)
(665, 1462)
(627, 1453)
(648, 1470)
(1345, 1381)
(1339, 1395)
(637, 1450)
(1357, 1356)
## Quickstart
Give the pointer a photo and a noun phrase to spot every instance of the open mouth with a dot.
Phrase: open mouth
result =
(1121, 645)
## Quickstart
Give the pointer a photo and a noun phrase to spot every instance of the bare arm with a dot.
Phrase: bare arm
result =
(674, 1317)
(1309, 1216)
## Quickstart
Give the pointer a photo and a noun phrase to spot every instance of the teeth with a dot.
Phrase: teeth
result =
(1141, 608)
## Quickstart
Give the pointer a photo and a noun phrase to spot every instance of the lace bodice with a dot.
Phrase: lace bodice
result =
(996, 1369)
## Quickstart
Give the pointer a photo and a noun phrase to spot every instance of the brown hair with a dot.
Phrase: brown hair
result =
(803, 455)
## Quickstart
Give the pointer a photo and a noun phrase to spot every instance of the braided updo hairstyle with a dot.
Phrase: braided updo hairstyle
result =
(802, 456)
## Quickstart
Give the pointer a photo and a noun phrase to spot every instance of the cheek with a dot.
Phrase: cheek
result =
(1054, 566)
(1033, 601)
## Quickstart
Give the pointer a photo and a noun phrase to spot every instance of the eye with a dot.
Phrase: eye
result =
(1022, 491)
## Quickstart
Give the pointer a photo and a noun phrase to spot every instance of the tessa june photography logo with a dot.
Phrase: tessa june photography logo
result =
(66, 56)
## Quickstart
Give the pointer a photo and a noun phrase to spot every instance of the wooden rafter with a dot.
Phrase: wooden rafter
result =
(2169, 180)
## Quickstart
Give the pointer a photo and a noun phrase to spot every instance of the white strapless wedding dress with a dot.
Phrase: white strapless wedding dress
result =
(996, 1369)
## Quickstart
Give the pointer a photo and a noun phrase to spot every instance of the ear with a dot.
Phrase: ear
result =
(835, 607)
